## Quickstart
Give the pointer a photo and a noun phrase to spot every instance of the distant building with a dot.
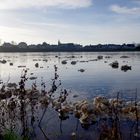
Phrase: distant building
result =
(59, 43)
(68, 46)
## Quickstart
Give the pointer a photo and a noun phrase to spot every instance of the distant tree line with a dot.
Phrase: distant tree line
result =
(65, 47)
(138, 47)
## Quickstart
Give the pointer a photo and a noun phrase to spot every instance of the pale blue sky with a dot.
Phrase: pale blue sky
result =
(78, 21)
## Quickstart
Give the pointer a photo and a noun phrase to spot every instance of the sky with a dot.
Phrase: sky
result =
(77, 21)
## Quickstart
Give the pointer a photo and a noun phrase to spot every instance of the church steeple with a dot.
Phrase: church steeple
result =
(59, 43)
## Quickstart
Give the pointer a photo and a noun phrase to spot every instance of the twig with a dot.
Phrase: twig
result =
(43, 133)
(42, 116)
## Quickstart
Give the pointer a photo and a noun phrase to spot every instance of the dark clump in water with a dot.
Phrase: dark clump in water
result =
(73, 62)
(126, 68)
(36, 65)
(64, 62)
(114, 65)
(81, 70)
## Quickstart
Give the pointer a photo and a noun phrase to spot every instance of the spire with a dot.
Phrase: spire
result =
(59, 43)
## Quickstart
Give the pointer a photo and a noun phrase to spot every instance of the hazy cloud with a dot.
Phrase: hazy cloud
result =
(125, 10)
(92, 26)
(18, 4)
(92, 34)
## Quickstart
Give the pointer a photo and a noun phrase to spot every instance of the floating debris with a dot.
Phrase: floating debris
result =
(75, 96)
(45, 60)
(71, 56)
(73, 62)
(36, 65)
(83, 61)
(64, 62)
(114, 64)
(100, 57)
(124, 56)
(21, 66)
(81, 70)
(126, 68)
(11, 64)
(108, 57)
(3, 61)
(93, 60)
(33, 78)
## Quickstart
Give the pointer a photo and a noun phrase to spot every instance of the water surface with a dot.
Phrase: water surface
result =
(99, 78)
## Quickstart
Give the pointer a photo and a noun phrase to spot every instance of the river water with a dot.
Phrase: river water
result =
(98, 78)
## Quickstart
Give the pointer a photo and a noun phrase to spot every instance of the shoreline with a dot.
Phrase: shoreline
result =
(42, 51)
